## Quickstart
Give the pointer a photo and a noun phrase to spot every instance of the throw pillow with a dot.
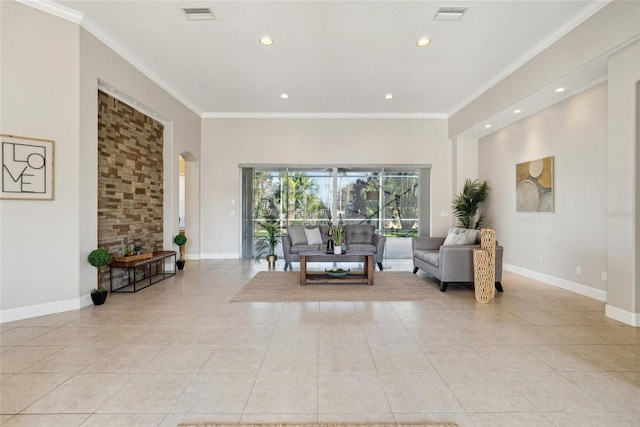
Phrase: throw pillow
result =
(449, 239)
(313, 236)
(459, 239)
(297, 235)
(473, 235)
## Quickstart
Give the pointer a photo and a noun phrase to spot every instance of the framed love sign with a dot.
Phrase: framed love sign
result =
(27, 168)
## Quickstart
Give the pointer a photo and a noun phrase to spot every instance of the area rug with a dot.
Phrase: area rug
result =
(323, 425)
(284, 286)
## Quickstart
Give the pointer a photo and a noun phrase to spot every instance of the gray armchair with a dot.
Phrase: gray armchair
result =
(449, 263)
(358, 237)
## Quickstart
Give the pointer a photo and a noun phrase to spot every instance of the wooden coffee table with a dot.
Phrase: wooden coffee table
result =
(364, 276)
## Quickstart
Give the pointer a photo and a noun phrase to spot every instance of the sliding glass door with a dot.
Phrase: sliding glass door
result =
(388, 198)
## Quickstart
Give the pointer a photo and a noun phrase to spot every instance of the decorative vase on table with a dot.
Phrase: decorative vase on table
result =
(330, 246)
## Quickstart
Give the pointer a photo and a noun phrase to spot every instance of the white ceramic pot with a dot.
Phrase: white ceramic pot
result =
(337, 249)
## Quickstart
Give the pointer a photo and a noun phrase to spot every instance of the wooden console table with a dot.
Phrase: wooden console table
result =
(150, 275)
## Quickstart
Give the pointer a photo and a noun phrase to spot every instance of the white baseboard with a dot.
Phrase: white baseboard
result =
(588, 291)
(192, 257)
(36, 310)
(627, 317)
(230, 255)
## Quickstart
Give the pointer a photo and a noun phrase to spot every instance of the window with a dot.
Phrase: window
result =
(388, 198)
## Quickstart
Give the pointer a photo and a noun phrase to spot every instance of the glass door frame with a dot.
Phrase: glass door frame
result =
(423, 196)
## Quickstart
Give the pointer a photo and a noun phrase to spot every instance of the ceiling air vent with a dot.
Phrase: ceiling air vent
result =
(450, 13)
(198, 14)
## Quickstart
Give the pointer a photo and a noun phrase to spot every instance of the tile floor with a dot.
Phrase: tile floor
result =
(180, 352)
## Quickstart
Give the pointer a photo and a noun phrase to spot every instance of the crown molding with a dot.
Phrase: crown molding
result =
(563, 30)
(86, 23)
(79, 18)
(239, 115)
(54, 9)
(113, 92)
(97, 32)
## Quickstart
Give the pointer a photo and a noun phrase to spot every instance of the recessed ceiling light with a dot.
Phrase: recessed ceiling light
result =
(284, 96)
(423, 42)
(517, 111)
(450, 13)
(560, 89)
(388, 96)
(266, 41)
(487, 126)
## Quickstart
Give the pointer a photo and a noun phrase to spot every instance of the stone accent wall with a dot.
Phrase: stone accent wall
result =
(130, 174)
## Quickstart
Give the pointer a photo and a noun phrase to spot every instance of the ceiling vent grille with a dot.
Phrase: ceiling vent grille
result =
(198, 14)
(450, 13)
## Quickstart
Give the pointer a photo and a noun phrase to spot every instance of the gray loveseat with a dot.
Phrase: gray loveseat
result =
(358, 237)
(450, 263)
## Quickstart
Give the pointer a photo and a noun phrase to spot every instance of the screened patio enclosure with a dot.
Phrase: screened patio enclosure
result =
(394, 199)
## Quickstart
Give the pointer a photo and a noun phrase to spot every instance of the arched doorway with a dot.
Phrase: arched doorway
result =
(188, 209)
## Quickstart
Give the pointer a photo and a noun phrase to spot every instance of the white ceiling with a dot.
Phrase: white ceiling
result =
(330, 57)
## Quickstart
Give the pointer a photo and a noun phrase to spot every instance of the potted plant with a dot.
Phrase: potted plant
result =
(99, 258)
(465, 205)
(180, 240)
(337, 239)
(266, 245)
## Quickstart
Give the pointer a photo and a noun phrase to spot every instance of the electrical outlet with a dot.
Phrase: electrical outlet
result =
(541, 258)
(578, 270)
(444, 213)
(604, 276)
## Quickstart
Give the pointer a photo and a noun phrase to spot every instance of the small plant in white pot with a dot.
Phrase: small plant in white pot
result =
(337, 240)
(99, 258)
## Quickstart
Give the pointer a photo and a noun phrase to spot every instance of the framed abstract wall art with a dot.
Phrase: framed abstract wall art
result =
(27, 168)
(534, 185)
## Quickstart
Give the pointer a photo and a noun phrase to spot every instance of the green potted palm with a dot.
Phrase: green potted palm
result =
(266, 244)
(99, 258)
(180, 240)
(465, 205)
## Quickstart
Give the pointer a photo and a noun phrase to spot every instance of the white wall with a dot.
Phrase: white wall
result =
(192, 202)
(230, 142)
(465, 161)
(622, 175)
(50, 72)
(636, 285)
(40, 99)
(575, 133)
